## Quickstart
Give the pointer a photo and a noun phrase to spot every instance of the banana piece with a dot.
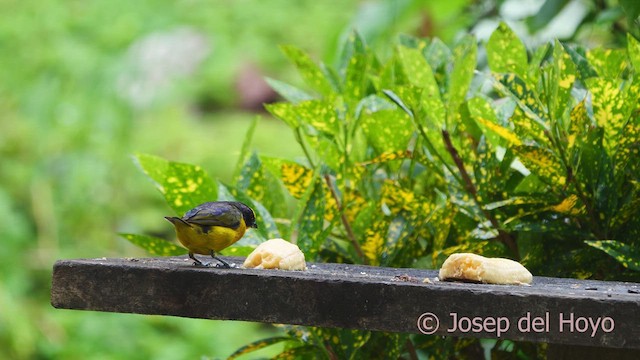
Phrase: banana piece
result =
(476, 268)
(276, 254)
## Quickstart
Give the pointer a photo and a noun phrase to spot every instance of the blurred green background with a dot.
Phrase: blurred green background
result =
(86, 84)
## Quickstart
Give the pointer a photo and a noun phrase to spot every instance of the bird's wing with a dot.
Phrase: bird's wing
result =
(214, 214)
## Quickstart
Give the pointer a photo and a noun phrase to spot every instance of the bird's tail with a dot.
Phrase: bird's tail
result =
(174, 220)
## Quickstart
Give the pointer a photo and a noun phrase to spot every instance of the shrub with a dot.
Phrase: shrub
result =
(421, 155)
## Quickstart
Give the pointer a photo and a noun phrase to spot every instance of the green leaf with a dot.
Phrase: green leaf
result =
(437, 54)
(585, 70)
(344, 343)
(633, 50)
(464, 66)
(559, 86)
(311, 220)
(248, 138)
(398, 101)
(549, 10)
(506, 53)
(257, 345)
(260, 186)
(266, 225)
(626, 255)
(536, 63)
(354, 45)
(154, 245)
(184, 186)
(289, 92)
(242, 250)
(300, 352)
(416, 67)
(310, 72)
(631, 8)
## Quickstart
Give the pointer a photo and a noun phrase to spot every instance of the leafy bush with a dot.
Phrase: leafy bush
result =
(421, 155)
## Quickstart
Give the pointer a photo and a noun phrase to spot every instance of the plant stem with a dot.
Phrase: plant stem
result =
(503, 236)
(571, 178)
(413, 355)
(300, 141)
(345, 222)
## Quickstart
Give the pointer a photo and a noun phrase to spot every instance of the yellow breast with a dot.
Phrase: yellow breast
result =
(201, 240)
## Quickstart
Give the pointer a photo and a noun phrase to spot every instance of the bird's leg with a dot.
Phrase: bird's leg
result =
(197, 262)
(224, 264)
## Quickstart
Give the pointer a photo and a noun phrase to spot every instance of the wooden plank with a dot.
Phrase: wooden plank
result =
(552, 310)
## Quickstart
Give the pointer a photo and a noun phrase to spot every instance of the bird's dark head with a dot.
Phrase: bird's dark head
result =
(247, 214)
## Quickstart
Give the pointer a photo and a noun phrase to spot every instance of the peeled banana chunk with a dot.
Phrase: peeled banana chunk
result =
(477, 268)
(276, 254)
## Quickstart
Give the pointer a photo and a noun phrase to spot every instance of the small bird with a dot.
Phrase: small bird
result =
(213, 226)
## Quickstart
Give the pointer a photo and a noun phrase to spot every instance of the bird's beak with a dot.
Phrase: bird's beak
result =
(255, 226)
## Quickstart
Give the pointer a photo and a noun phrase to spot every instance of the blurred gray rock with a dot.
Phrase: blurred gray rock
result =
(154, 63)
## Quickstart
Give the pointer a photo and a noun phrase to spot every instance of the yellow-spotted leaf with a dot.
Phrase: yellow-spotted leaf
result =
(543, 164)
(389, 156)
(559, 86)
(184, 186)
(608, 63)
(388, 130)
(420, 75)
(154, 245)
(260, 185)
(356, 79)
(506, 53)
(569, 206)
(487, 120)
(399, 199)
(610, 109)
(188, 186)
(296, 178)
(309, 70)
(375, 240)
(327, 149)
(527, 100)
(319, 114)
(351, 204)
(437, 53)
(311, 221)
(344, 343)
(284, 111)
(585, 70)
(579, 124)
(298, 352)
(527, 129)
(626, 255)
(257, 345)
(627, 158)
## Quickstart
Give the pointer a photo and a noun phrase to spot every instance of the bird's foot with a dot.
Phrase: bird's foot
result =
(224, 265)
